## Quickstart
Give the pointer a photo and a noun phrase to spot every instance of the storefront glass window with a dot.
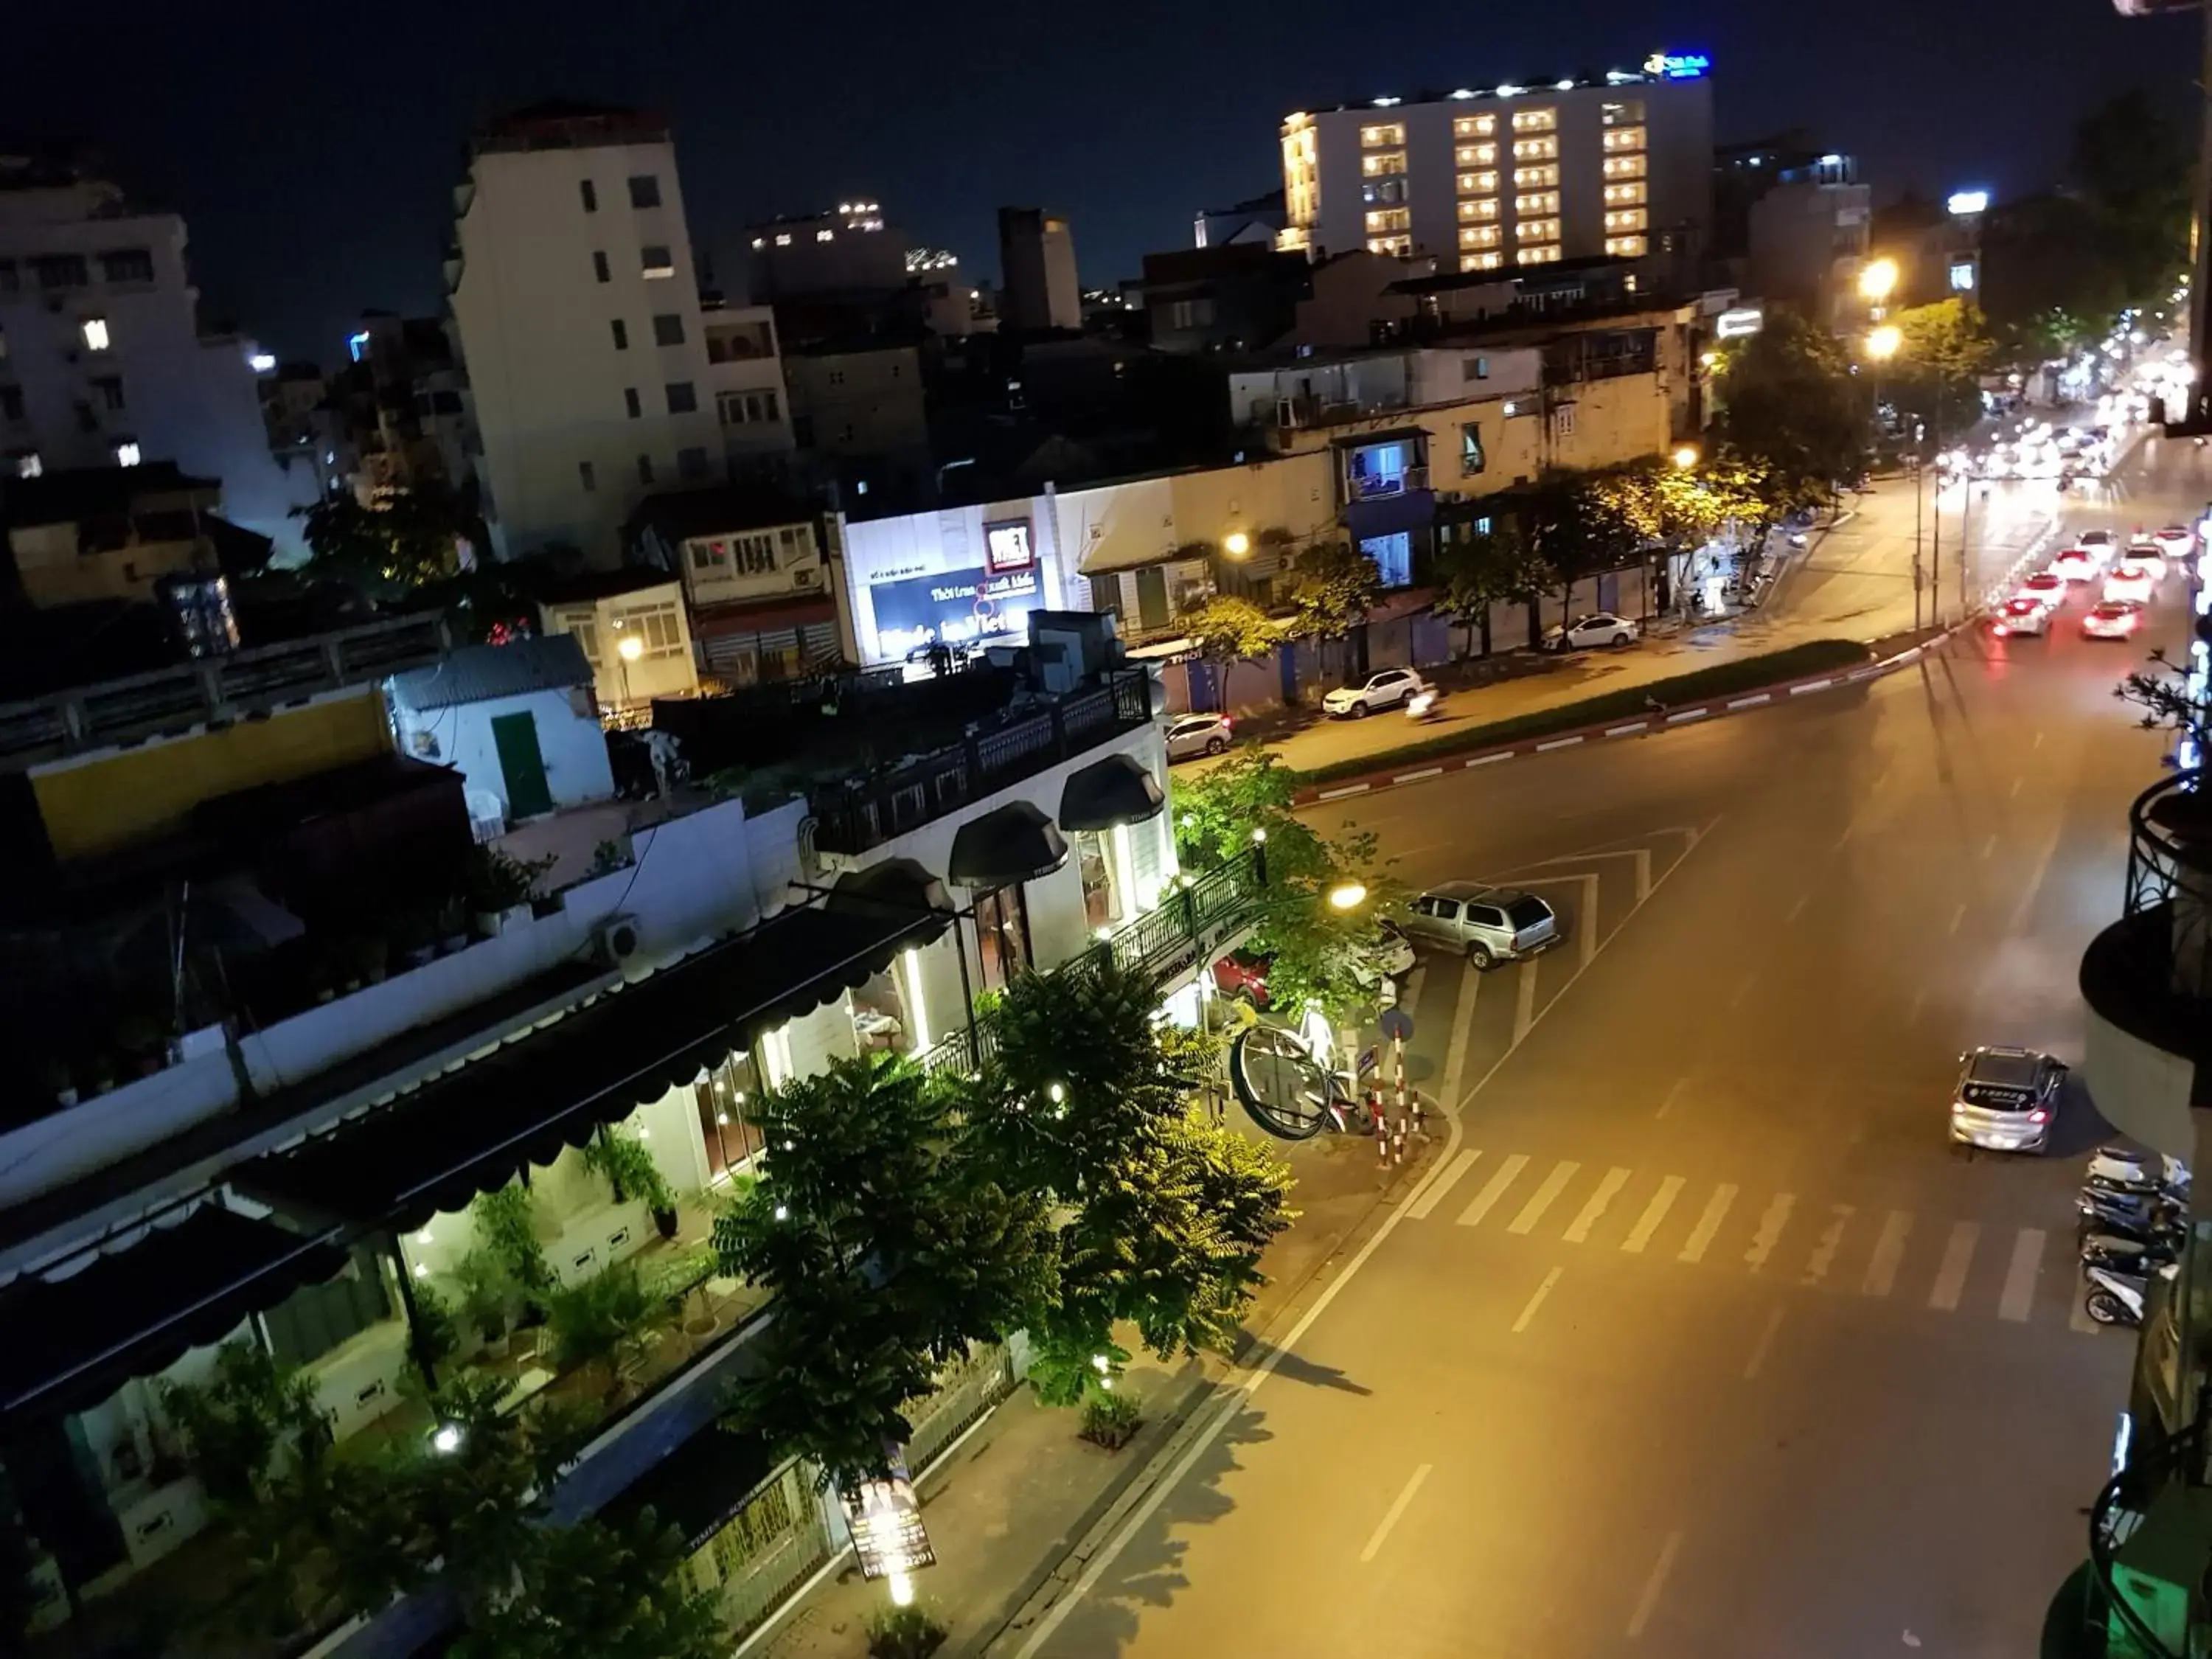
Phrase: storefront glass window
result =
(1101, 906)
(880, 1013)
(726, 1102)
(1002, 935)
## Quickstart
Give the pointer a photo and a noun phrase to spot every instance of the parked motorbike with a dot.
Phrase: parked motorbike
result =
(2122, 1253)
(2118, 1299)
(2123, 1168)
(2129, 1210)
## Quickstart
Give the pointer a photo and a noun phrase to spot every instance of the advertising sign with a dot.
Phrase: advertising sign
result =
(953, 607)
(885, 1518)
(1006, 546)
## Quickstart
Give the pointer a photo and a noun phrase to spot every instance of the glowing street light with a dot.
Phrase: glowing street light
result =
(1237, 544)
(1881, 344)
(1878, 281)
(1686, 457)
(1348, 895)
(632, 647)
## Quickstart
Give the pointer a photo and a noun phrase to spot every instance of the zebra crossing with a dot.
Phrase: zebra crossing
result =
(1868, 1252)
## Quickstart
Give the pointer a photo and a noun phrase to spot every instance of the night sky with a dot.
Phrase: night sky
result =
(311, 147)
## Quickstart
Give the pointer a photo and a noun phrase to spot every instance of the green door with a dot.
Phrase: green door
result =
(1151, 598)
(521, 763)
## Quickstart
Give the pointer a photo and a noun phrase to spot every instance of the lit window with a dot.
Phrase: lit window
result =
(1535, 120)
(760, 241)
(1398, 246)
(1621, 139)
(1628, 113)
(1627, 247)
(1625, 195)
(27, 464)
(1475, 155)
(1546, 148)
(1384, 219)
(1388, 136)
(1537, 256)
(95, 333)
(783, 238)
(1544, 201)
(1479, 236)
(1486, 208)
(1537, 230)
(1626, 218)
(825, 235)
(1477, 184)
(1624, 167)
(1480, 261)
(1474, 126)
(1544, 178)
(657, 261)
(127, 454)
(1382, 162)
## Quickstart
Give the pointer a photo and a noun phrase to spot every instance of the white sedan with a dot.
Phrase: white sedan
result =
(1599, 627)
(2147, 557)
(2115, 619)
(2175, 540)
(2098, 545)
(1385, 689)
(2128, 583)
(2022, 615)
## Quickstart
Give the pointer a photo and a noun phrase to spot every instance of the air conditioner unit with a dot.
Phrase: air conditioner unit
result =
(804, 578)
(615, 942)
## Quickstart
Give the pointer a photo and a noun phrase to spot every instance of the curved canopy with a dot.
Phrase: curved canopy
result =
(1014, 842)
(894, 889)
(1117, 790)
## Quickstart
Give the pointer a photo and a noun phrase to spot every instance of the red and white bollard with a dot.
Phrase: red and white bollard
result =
(1379, 1123)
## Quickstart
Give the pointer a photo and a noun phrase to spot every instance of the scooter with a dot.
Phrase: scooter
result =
(2123, 1168)
(2121, 1253)
(2118, 1299)
(1423, 706)
(2134, 1218)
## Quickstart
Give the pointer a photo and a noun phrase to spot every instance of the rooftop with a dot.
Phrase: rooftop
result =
(1660, 68)
(71, 494)
(589, 587)
(682, 513)
(478, 673)
(571, 124)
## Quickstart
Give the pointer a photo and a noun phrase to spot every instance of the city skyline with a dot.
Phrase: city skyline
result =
(309, 202)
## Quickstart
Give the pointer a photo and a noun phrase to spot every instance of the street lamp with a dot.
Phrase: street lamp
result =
(628, 650)
(1878, 281)
(1881, 344)
(1348, 895)
(1237, 544)
(1686, 457)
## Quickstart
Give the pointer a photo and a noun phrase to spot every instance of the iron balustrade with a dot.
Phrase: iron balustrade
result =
(2116, 1513)
(1189, 927)
(2171, 868)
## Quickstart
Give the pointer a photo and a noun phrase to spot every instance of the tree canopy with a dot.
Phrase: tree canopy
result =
(1481, 569)
(1790, 405)
(1332, 589)
(1225, 630)
(1937, 371)
(390, 549)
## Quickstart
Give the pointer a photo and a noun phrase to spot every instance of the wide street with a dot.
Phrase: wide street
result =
(1698, 1340)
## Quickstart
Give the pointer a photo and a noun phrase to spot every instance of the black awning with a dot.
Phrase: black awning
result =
(1117, 790)
(1014, 842)
(72, 1341)
(472, 1131)
(893, 889)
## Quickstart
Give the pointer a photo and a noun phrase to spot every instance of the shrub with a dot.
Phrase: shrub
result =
(908, 1633)
(1111, 1420)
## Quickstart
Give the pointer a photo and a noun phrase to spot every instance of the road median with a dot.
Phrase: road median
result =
(1741, 682)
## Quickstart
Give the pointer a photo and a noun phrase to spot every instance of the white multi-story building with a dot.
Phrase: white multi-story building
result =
(1619, 167)
(571, 285)
(102, 361)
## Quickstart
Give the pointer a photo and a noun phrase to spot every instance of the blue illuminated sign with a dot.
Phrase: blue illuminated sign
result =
(357, 345)
(1678, 66)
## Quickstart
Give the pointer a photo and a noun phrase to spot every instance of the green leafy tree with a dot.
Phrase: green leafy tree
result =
(611, 1591)
(2135, 166)
(1166, 1212)
(1318, 951)
(1474, 574)
(248, 1424)
(1332, 589)
(889, 1246)
(1947, 346)
(1226, 630)
(605, 1323)
(1790, 404)
(389, 550)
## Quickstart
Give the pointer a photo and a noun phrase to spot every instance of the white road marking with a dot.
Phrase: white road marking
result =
(1415, 777)
(1831, 1240)
(1410, 998)
(1701, 1236)
(1888, 1255)
(1798, 909)
(1433, 1194)
(1950, 1277)
(1842, 841)
(1339, 794)
(1537, 1300)
(1742, 990)
(1758, 1349)
(1919, 1002)
(2037, 744)
(1989, 846)
(1654, 1213)
(1681, 716)
(1770, 1230)
(1507, 1172)
(1674, 1093)
(2014, 790)
(1524, 1001)
(1544, 1197)
(1489, 760)
(1958, 916)
(1558, 742)
(1462, 1027)
(1624, 731)
(1390, 1516)
(2017, 1300)
(2013, 922)
(1648, 1601)
(1578, 1229)
(1750, 702)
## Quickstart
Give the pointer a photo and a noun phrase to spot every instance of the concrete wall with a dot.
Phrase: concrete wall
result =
(570, 739)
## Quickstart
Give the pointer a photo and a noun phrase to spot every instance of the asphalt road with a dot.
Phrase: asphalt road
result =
(1701, 1342)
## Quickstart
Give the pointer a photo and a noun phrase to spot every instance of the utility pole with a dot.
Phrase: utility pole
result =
(1916, 431)
(1935, 512)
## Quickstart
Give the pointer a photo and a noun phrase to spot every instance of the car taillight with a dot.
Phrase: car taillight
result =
(2039, 1115)
(1228, 724)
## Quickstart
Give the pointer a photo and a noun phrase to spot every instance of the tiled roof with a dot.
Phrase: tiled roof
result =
(478, 673)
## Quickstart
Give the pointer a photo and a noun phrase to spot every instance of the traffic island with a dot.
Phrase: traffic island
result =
(1723, 688)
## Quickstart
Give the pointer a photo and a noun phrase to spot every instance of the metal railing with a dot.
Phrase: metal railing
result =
(2171, 868)
(1193, 924)
(2118, 1511)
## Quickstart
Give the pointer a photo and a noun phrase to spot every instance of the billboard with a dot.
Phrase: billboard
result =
(953, 607)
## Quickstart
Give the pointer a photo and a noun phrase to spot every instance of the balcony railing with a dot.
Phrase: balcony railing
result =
(2170, 865)
(1194, 923)
(865, 813)
(2119, 1509)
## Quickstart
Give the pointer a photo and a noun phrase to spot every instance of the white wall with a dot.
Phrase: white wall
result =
(534, 325)
(574, 745)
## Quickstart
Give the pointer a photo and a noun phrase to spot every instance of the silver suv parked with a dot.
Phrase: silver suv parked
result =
(1488, 924)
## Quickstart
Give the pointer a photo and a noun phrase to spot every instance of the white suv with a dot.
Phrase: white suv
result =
(1385, 689)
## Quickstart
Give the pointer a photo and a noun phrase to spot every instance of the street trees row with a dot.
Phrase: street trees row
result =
(1068, 1188)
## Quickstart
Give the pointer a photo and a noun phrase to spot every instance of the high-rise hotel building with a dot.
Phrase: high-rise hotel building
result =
(1513, 176)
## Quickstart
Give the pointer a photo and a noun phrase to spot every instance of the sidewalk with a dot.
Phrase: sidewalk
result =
(1854, 582)
(1006, 1506)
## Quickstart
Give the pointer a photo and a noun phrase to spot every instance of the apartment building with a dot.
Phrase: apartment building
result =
(1036, 259)
(1509, 176)
(576, 308)
(103, 359)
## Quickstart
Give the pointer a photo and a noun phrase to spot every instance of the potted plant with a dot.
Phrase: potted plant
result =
(906, 1632)
(607, 1322)
(499, 884)
(628, 1170)
(507, 1226)
(435, 1335)
(59, 1084)
(486, 1292)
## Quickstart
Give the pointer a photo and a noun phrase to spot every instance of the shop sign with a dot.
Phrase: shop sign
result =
(885, 1520)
